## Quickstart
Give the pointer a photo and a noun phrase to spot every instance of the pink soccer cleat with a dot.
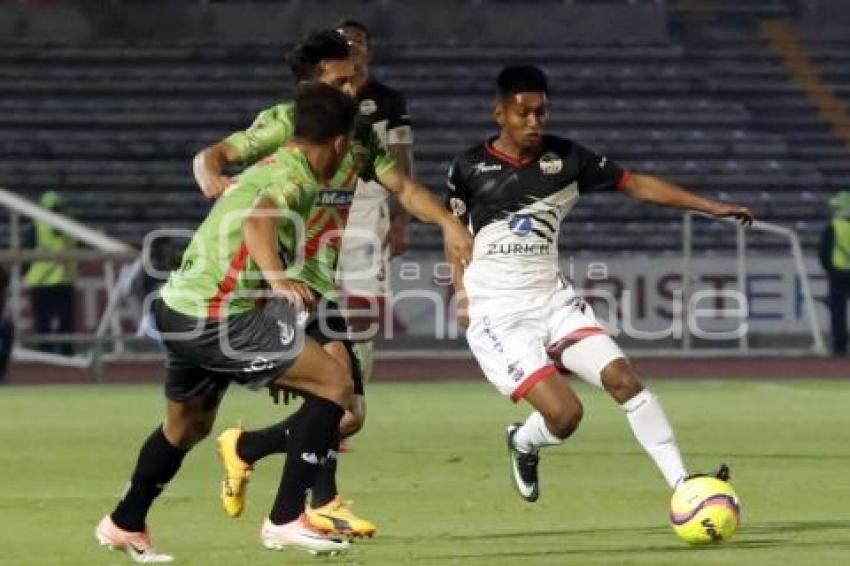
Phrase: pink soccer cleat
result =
(136, 544)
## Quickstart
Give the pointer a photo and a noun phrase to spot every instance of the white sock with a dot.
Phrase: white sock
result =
(652, 430)
(533, 434)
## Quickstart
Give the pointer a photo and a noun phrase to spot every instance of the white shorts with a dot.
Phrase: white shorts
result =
(516, 349)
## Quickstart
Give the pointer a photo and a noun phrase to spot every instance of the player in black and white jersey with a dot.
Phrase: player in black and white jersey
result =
(527, 326)
(377, 227)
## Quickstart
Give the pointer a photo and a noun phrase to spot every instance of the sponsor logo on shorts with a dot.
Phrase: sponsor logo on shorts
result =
(515, 371)
(287, 333)
(303, 317)
(488, 332)
(259, 364)
(310, 458)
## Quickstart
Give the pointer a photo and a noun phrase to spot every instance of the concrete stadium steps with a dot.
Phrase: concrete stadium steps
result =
(115, 125)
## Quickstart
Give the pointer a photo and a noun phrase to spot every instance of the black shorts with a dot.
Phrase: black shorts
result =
(334, 328)
(204, 355)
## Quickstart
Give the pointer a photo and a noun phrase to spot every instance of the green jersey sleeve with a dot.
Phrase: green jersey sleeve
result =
(270, 130)
(286, 195)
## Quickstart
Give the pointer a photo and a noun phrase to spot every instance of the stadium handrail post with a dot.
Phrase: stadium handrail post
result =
(108, 248)
(818, 344)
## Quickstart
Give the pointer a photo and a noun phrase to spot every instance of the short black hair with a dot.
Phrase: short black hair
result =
(521, 78)
(318, 46)
(356, 24)
(322, 112)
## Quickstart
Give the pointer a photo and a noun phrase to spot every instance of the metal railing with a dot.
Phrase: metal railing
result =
(818, 346)
(108, 250)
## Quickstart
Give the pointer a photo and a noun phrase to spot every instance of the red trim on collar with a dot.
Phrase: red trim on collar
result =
(512, 161)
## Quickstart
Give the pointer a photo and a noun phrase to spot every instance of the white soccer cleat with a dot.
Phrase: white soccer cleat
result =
(300, 534)
(137, 545)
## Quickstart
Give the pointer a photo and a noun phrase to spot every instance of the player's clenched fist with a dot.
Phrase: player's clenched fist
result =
(295, 292)
(458, 241)
(736, 211)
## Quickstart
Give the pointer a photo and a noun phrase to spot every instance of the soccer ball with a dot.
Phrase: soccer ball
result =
(704, 510)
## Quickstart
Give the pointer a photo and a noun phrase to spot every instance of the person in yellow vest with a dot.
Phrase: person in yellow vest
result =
(835, 259)
(51, 282)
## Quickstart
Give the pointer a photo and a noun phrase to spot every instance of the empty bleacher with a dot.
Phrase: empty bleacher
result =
(114, 125)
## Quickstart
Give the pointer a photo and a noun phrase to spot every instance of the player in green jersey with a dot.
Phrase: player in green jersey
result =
(232, 313)
(324, 57)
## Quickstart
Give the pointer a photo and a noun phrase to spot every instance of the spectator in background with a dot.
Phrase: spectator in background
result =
(7, 328)
(835, 259)
(51, 282)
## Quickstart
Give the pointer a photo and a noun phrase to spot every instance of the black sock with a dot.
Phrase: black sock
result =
(311, 436)
(324, 488)
(254, 445)
(158, 462)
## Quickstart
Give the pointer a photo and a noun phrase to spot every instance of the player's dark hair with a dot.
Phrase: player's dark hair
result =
(356, 24)
(318, 46)
(322, 112)
(521, 78)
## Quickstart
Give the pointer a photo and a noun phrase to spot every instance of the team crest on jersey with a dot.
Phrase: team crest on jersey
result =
(551, 163)
(520, 224)
(368, 107)
(458, 206)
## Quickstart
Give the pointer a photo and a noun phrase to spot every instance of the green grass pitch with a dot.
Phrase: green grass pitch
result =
(430, 468)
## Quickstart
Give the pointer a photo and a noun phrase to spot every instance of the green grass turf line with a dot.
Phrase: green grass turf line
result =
(430, 469)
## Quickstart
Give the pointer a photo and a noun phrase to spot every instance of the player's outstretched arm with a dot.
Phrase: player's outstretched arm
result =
(260, 232)
(207, 167)
(651, 189)
(421, 203)
(397, 237)
(267, 133)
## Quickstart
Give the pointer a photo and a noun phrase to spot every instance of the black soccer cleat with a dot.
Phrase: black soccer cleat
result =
(523, 467)
(722, 474)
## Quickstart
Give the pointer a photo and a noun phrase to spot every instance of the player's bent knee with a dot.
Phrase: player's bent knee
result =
(202, 429)
(621, 381)
(564, 423)
(351, 424)
(355, 416)
(187, 433)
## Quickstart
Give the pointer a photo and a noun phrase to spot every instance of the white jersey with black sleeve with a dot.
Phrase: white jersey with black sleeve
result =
(364, 259)
(514, 209)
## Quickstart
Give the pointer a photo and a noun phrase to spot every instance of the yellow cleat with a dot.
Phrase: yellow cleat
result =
(336, 517)
(236, 473)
